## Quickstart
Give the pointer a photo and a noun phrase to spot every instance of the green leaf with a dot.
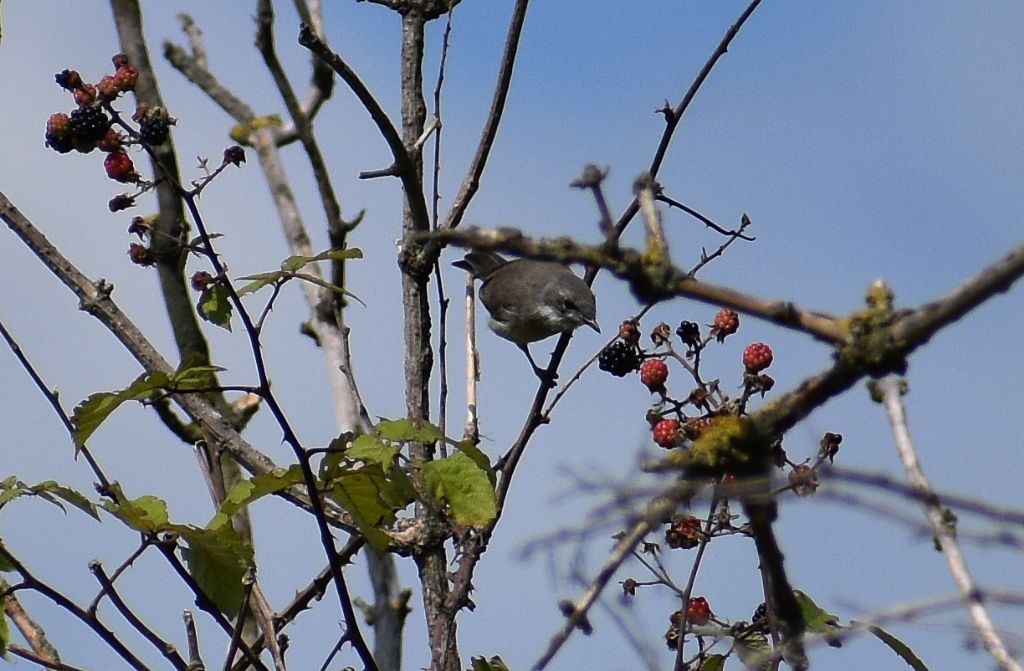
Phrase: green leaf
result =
(495, 663)
(147, 514)
(215, 306)
(217, 560)
(247, 491)
(479, 458)
(465, 487)
(320, 282)
(371, 499)
(68, 495)
(818, 620)
(297, 262)
(713, 663)
(5, 564)
(408, 430)
(93, 411)
(339, 254)
(372, 450)
(12, 489)
(259, 281)
(899, 647)
(196, 377)
(359, 494)
(5, 633)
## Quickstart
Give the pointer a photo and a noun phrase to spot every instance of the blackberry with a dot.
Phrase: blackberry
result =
(760, 620)
(154, 128)
(689, 333)
(619, 358)
(88, 124)
(58, 133)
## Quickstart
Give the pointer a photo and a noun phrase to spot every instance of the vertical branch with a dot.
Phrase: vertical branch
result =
(942, 526)
(432, 561)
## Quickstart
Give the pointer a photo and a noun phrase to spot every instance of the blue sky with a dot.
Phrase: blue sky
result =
(865, 140)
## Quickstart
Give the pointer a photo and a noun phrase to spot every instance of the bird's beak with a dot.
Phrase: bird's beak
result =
(592, 323)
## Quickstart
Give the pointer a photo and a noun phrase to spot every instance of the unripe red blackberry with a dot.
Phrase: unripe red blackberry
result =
(757, 357)
(109, 142)
(803, 479)
(126, 77)
(684, 532)
(201, 280)
(140, 254)
(619, 358)
(85, 95)
(666, 433)
(119, 167)
(726, 323)
(696, 426)
(654, 373)
(698, 611)
(108, 88)
(629, 330)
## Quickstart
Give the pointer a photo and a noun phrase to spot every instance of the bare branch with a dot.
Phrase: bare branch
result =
(471, 183)
(943, 528)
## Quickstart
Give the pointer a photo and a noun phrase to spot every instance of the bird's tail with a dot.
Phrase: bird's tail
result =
(480, 264)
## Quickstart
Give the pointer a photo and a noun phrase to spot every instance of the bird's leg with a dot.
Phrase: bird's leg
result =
(546, 376)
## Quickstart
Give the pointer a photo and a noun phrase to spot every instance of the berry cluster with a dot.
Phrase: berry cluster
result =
(705, 430)
(91, 125)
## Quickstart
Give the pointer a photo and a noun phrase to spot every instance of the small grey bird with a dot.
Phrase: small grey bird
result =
(530, 300)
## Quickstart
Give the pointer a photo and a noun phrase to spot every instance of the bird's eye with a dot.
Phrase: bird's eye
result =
(568, 305)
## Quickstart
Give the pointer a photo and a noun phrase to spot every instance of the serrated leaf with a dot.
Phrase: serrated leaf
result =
(68, 495)
(247, 491)
(495, 663)
(215, 305)
(408, 430)
(147, 514)
(465, 487)
(712, 663)
(12, 489)
(90, 413)
(217, 560)
(899, 647)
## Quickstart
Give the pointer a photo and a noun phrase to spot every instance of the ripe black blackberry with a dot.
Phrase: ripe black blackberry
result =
(88, 124)
(689, 333)
(154, 129)
(619, 358)
(760, 620)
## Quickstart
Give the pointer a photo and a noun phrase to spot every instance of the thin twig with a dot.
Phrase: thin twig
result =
(165, 648)
(944, 530)
(471, 183)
